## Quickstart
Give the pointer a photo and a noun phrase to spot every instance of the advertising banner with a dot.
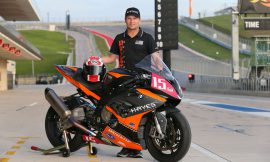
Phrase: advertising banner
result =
(254, 6)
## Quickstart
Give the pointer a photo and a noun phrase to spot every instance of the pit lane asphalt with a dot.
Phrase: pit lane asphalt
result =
(217, 134)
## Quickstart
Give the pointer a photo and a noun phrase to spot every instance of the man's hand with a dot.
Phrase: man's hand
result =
(156, 61)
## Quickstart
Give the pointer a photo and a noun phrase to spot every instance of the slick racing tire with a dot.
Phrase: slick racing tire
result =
(174, 146)
(56, 137)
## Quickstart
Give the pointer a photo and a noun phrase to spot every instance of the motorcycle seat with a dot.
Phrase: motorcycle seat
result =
(95, 86)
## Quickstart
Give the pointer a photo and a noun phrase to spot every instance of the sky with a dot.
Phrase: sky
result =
(113, 10)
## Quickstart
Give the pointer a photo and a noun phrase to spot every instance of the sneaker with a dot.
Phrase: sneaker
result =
(124, 152)
(136, 154)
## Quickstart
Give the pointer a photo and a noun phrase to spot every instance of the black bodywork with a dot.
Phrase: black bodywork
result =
(126, 101)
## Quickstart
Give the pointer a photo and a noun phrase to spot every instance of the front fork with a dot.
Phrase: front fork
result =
(158, 128)
(158, 131)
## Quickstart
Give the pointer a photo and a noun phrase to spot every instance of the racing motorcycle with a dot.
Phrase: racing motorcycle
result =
(131, 109)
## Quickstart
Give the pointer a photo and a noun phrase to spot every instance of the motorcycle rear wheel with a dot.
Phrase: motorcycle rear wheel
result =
(177, 139)
(55, 136)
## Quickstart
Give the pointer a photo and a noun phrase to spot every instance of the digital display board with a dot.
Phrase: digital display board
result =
(257, 24)
(166, 24)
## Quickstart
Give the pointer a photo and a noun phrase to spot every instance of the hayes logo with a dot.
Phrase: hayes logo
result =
(143, 108)
(265, 3)
(117, 135)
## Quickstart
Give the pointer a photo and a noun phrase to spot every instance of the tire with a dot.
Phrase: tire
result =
(66, 153)
(55, 136)
(176, 123)
(95, 151)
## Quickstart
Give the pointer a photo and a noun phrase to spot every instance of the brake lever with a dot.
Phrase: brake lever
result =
(145, 76)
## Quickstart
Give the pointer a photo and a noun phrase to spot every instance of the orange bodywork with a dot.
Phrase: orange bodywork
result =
(72, 68)
(136, 119)
(77, 84)
(116, 75)
(119, 139)
(150, 94)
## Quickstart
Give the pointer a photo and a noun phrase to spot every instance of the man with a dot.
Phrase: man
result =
(130, 48)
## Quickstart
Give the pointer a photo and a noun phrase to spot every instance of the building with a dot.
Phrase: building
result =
(12, 45)
(225, 11)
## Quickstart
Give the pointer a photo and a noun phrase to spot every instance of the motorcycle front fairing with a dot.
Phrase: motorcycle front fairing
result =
(162, 80)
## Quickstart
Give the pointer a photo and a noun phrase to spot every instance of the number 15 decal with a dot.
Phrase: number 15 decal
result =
(159, 83)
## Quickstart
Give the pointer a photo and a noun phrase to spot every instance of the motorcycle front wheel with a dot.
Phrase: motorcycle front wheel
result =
(55, 135)
(176, 143)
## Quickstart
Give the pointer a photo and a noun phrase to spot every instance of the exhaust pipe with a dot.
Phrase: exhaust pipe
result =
(61, 109)
(81, 127)
(57, 104)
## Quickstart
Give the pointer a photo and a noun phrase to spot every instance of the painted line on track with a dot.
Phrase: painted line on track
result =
(4, 159)
(32, 104)
(20, 142)
(209, 153)
(13, 149)
(240, 131)
(262, 112)
(10, 152)
(241, 98)
(24, 107)
(236, 108)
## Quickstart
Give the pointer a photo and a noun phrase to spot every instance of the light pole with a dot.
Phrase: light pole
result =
(235, 46)
(33, 68)
(48, 17)
(67, 23)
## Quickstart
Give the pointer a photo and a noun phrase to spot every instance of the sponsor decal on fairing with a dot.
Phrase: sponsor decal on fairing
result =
(143, 108)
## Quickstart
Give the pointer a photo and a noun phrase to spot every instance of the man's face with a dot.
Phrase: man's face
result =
(132, 22)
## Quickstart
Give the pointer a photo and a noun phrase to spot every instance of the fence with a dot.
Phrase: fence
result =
(38, 79)
(210, 67)
(224, 85)
(208, 83)
(215, 35)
